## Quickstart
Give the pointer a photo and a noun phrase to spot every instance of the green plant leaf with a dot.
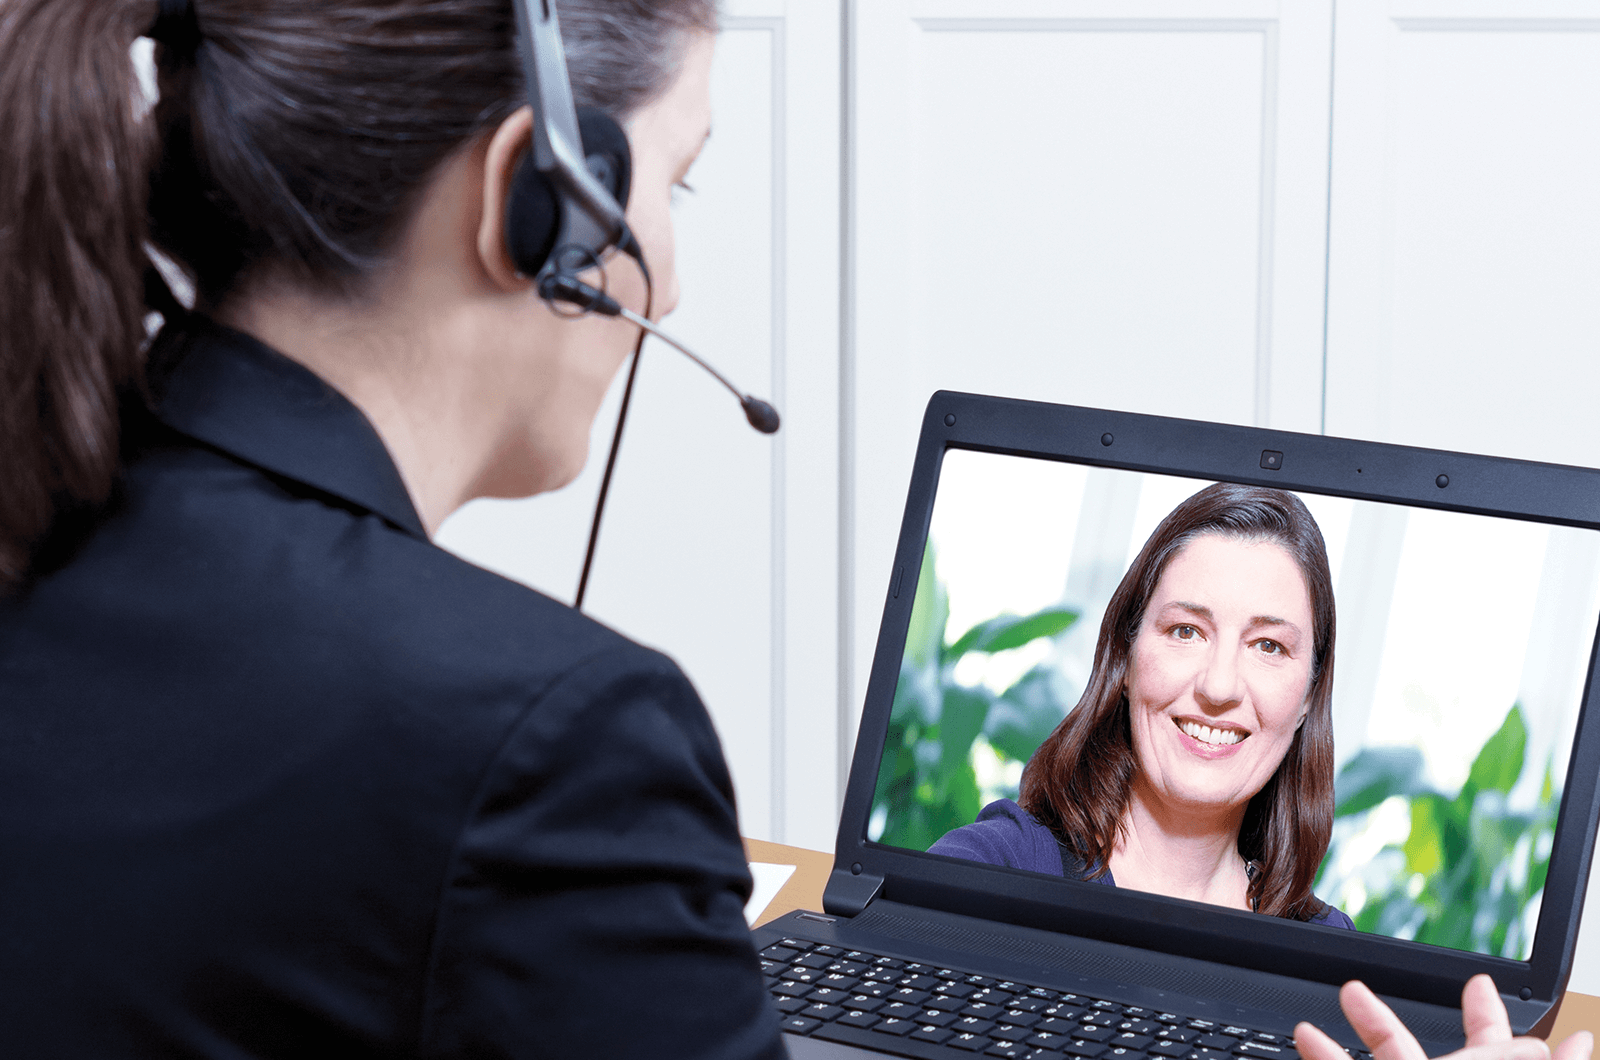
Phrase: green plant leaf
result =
(1004, 632)
(1024, 715)
(929, 613)
(1424, 847)
(965, 710)
(1500, 762)
(1375, 774)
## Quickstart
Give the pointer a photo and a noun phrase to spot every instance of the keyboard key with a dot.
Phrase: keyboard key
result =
(831, 951)
(822, 1013)
(931, 1033)
(1216, 1041)
(796, 944)
(1122, 1052)
(863, 1003)
(894, 1025)
(1130, 1040)
(973, 1025)
(1169, 1018)
(1030, 1003)
(1089, 1032)
(847, 967)
(813, 960)
(1101, 1019)
(790, 1005)
(888, 962)
(1057, 1025)
(792, 989)
(932, 1017)
(900, 1010)
(872, 989)
(1079, 1047)
(961, 990)
(1237, 1032)
(972, 1043)
(991, 995)
(1270, 1039)
(799, 1025)
(909, 996)
(947, 1004)
(856, 1019)
(1046, 1040)
(919, 982)
(1140, 1026)
(827, 995)
(978, 980)
(779, 952)
(1135, 1012)
(1262, 1049)
(1170, 1049)
(1042, 994)
(1204, 1026)
(1008, 1033)
(1177, 1034)
(949, 975)
(1008, 1050)
(1019, 1017)
(987, 1012)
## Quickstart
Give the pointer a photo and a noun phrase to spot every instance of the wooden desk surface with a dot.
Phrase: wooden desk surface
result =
(804, 891)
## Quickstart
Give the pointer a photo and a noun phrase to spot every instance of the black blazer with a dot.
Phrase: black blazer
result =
(277, 774)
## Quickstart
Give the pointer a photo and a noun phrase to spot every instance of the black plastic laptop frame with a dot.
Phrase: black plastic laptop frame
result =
(865, 871)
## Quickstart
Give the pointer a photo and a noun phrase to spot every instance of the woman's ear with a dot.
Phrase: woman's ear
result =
(506, 148)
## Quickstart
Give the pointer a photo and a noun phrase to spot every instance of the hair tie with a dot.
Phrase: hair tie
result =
(176, 26)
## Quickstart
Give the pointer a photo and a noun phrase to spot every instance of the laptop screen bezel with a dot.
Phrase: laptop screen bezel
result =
(1493, 486)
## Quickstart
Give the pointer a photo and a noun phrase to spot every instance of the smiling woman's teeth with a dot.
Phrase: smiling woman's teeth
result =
(1206, 734)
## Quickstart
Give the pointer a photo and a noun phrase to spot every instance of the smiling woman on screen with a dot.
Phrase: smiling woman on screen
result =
(1199, 762)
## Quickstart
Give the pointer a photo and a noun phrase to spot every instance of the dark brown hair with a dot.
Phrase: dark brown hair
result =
(1078, 781)
(291, 141)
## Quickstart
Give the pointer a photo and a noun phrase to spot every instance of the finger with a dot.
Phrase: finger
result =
(1380, 1029)
(1483, 1014)
(1579, 1046)
(1312, 1044)
(1510, 1049)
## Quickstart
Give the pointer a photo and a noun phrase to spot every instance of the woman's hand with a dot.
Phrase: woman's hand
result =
(1483, 1017)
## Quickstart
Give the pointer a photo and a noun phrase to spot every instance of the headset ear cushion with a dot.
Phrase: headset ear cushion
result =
(533, 215)
(533, 210)
(606, 152)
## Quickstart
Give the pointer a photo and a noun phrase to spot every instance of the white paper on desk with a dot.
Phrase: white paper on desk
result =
(769, 881)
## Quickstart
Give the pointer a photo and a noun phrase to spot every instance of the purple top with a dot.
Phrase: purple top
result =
(1006, 834)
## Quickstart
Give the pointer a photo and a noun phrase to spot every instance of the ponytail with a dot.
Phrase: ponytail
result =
(74, 181)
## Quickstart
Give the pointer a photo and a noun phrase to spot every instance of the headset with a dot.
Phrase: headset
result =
(565, 212)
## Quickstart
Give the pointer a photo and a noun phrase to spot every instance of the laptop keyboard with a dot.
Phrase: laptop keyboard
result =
(911, 1009)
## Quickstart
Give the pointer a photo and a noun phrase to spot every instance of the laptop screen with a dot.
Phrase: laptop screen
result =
(1458, 667)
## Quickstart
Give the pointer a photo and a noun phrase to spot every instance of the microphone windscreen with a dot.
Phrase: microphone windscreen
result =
(762, 416)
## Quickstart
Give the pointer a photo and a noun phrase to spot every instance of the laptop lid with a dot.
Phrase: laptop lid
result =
(1464, 797)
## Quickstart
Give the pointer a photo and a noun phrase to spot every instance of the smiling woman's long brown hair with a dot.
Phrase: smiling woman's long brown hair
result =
(1078, 781)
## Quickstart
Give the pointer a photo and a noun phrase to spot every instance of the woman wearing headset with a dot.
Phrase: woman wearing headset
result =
(279, 775)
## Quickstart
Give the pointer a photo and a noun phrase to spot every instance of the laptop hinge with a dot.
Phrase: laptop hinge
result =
(848, 894)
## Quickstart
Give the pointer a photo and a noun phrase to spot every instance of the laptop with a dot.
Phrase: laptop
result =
(1460, 825)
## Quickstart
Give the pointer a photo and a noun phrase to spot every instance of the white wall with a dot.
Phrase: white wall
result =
(1374, 217)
